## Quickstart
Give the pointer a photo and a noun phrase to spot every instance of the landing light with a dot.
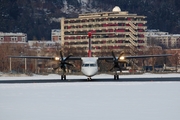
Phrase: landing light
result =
(121, 58)
(56, 58)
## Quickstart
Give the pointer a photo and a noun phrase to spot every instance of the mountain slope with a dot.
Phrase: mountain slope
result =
(38, 17)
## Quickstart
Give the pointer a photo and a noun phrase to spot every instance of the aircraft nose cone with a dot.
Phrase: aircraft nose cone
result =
(89, 72)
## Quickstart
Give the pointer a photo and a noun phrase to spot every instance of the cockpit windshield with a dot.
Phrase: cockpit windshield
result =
(89, 65)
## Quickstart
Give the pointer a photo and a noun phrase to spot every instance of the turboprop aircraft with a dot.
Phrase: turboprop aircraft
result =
(89, 65)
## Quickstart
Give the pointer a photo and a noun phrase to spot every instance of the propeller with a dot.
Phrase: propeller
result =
(63, 62)
(116, 61)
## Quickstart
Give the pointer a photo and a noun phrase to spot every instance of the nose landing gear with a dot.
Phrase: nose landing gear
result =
(89, 79)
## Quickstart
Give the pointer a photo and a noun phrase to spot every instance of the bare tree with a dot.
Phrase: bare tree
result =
(154, 60)
(174, 58)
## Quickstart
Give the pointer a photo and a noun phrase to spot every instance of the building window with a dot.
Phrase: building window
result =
(23, 39)
(13, 39)
(1, 38)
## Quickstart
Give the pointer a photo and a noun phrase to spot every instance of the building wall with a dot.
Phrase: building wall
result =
(56, 35)
(156, 37)
(110, 30)
(13, 37)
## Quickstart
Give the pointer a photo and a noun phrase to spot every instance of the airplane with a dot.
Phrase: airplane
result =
(89, 65)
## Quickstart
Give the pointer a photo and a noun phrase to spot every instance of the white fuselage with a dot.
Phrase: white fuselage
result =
(89, 66)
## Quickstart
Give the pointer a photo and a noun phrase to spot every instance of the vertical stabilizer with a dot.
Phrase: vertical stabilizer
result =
(89, 51)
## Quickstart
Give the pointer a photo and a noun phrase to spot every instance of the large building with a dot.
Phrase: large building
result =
(164, 39)
(116, 30)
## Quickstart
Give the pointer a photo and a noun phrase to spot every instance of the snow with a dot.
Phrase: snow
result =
(90, 101)
(108, 76)
(86, 6)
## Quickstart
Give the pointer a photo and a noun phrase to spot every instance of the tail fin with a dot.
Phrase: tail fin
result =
(89, 51)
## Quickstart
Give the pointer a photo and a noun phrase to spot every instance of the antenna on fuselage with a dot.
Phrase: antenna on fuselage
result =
(89, 51)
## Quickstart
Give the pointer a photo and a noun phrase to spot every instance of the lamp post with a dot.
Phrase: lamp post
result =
(10, 67)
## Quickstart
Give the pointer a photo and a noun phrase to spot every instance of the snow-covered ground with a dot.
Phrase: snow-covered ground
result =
(90, 101)
(108, 76)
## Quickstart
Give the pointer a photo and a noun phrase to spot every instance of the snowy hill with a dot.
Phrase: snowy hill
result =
(37, 18)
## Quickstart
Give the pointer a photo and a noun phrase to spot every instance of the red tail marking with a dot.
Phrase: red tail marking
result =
(89, 51)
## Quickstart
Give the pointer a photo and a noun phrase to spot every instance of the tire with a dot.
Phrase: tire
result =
(117, 77)
(61, 77)
(114, 77)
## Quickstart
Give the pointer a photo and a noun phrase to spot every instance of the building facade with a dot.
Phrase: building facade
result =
(164, 39)
(13, 37)
(116, 30)
(56, 35)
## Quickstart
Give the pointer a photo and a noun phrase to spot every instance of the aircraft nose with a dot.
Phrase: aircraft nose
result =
(89, 72)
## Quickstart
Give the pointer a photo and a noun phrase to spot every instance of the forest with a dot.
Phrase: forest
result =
(35, 17)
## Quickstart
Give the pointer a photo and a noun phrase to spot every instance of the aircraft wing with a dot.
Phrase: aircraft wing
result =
(99, 58)
(45, 57)
(131, 57)
(105, 58)
(147, 56)
(75, 58)
(33, 57)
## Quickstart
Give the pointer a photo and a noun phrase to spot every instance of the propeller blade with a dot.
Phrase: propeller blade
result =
(63, 63)
(67, 57)
(64, 69)
(120, 69)
(113, 55)
(68, 64)
(61, 55)
(112, 68)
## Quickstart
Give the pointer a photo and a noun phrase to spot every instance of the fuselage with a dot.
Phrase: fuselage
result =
(89, 66)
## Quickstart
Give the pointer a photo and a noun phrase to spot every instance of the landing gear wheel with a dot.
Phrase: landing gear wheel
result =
(116, 77)
(89, 79)
(63, 77)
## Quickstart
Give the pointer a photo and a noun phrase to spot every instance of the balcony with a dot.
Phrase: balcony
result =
(94, 23)
(94, 28)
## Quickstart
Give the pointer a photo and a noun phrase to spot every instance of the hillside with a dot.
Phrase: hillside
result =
(38, 17)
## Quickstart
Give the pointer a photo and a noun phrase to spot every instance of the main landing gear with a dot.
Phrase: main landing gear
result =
(116, 77)
(63, 77)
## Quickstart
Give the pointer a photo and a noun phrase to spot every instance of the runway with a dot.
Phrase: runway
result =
(90, 101)
(93, 80)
